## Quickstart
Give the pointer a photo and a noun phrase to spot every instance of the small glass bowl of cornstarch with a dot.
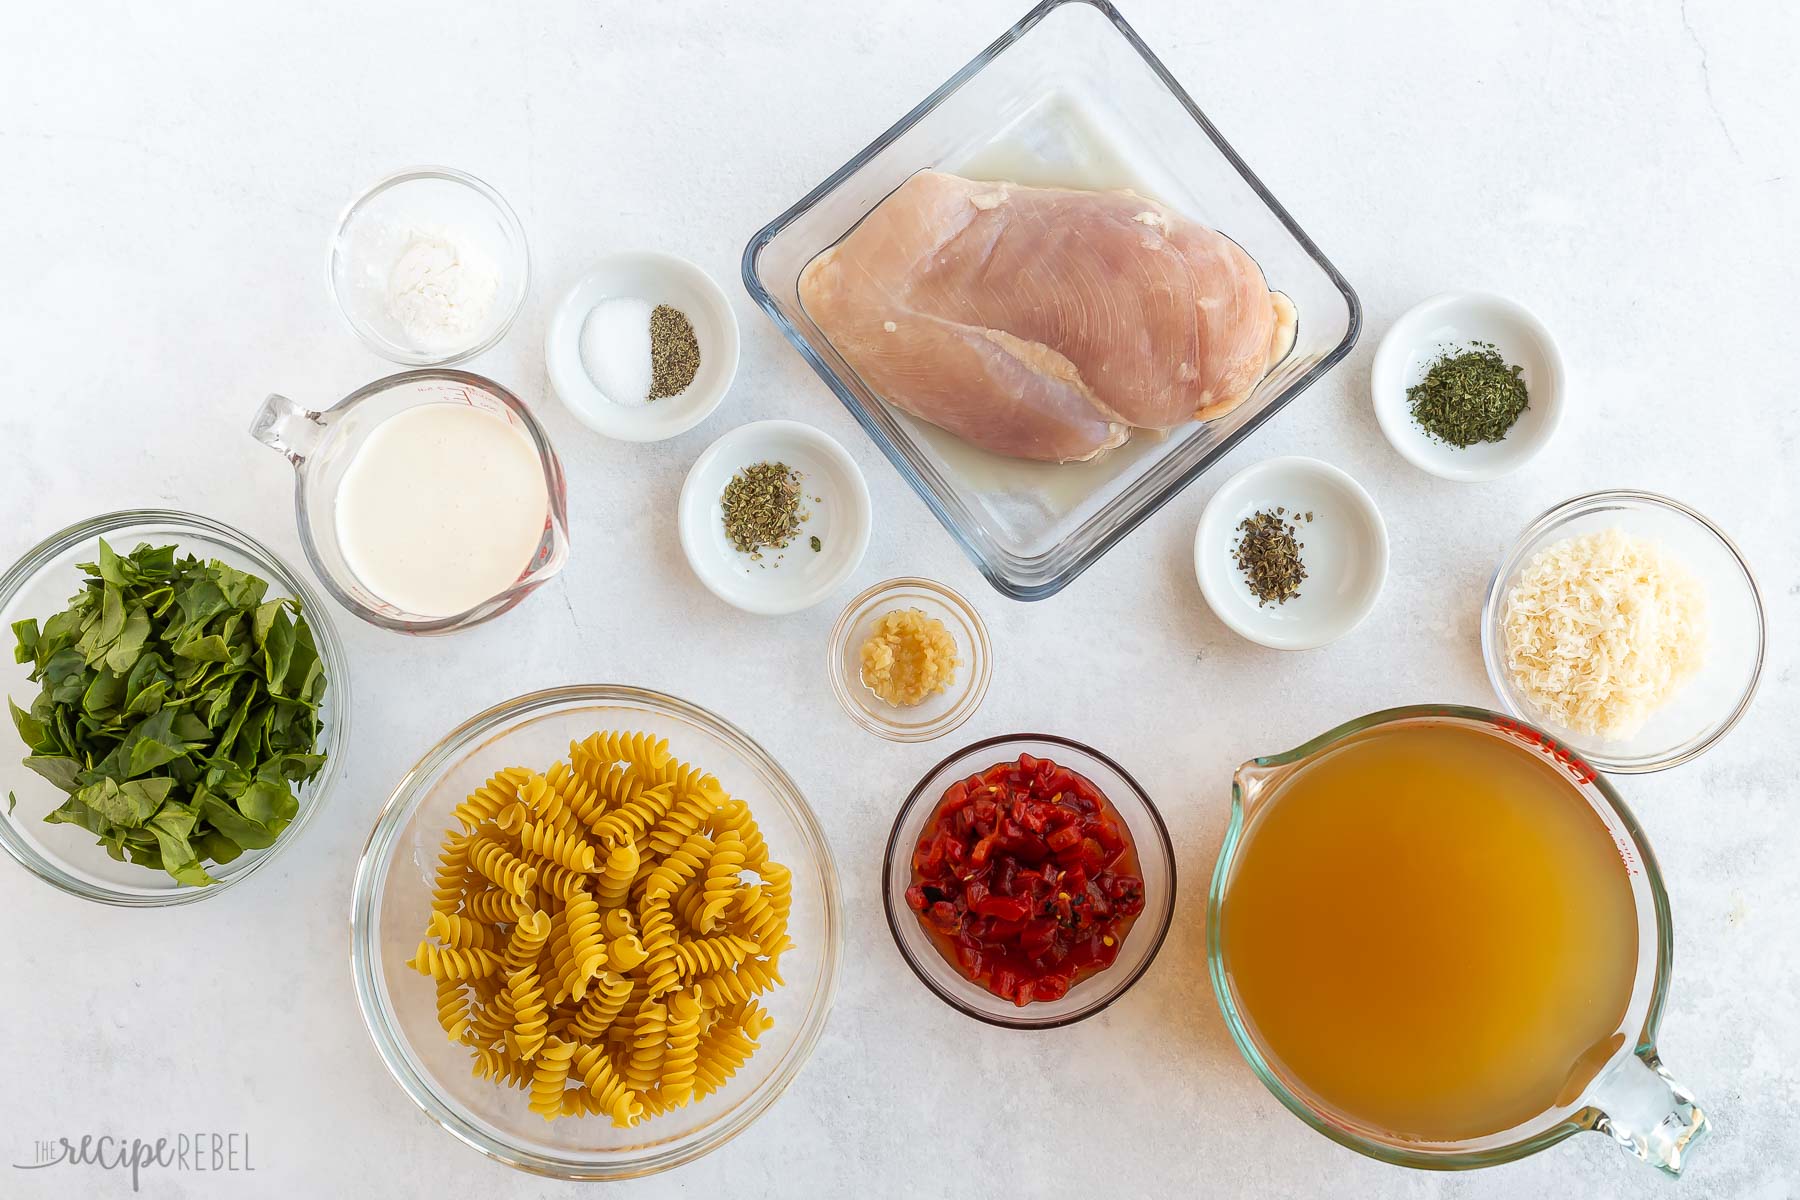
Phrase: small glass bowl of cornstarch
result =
(1628, 627)
(429, 266)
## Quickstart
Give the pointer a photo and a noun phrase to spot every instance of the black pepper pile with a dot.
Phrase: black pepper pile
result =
(674, 352)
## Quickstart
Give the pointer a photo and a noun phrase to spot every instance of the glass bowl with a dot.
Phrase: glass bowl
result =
(41, 583)
(394, 881)
(373, 232)
(1710, 702)
(1072, 96)
(936, 715)
(1155, 855)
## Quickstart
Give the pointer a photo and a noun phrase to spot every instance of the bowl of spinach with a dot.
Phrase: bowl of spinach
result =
(176, 695)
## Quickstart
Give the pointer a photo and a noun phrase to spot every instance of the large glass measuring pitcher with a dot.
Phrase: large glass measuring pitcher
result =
(1618, 1086)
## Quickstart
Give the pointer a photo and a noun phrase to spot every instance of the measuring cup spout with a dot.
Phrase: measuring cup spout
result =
(1650, 1115)
(285, 426)
(1254, 781)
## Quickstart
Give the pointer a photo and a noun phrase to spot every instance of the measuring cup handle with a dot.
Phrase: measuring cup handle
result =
(1648, 1113)
(288, 428)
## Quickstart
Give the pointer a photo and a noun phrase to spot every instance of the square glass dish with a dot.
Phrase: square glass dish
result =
(1071, 97)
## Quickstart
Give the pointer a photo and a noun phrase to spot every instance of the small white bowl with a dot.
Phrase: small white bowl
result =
(796, 577)
(1457, 319)
(1345, 552)
(659, 279)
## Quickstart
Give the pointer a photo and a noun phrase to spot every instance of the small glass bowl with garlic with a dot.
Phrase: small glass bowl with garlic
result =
(939, 711)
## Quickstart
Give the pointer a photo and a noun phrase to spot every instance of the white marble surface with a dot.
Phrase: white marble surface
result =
(171, 173)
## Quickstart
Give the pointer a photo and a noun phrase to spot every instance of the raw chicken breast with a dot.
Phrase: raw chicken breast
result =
(1043, 323)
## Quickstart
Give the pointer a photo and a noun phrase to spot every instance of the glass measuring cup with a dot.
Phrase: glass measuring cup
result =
(322, 445)
(1629, 1096)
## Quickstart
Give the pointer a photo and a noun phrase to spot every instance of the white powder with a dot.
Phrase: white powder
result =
(441, 289)
(615, 349)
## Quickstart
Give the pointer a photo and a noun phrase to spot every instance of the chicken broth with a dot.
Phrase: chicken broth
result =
(1431, 932)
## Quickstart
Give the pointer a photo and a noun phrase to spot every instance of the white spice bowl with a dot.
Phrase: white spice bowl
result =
(657, 278)
(836, 507)
(1345, 554)
(1454, 320)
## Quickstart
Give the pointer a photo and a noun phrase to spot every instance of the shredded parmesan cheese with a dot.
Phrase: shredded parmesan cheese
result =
(1601, 630)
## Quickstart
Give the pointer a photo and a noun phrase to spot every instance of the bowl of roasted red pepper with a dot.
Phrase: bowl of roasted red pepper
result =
(1029, 881)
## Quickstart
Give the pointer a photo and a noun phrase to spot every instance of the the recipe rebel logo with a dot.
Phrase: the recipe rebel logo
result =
(194, 1153)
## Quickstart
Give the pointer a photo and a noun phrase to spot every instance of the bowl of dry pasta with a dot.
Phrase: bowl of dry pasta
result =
(596, 932)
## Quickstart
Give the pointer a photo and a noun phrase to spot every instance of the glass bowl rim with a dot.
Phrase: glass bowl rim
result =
(325, 636)
(972, 694)
(1547, 523)
(509, 219)
(377, 857)
(1068, 572)
(557, 516)
(1104, 999)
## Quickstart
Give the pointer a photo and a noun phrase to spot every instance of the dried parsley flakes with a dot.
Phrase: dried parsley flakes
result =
(1468, 396)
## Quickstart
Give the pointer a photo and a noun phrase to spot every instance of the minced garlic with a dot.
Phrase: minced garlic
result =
(1601, 630)
(908, 657)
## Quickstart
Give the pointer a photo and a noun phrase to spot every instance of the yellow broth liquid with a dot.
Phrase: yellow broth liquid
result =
(1431, 932)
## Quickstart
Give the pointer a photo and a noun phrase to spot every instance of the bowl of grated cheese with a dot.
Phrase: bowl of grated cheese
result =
(1628, 625)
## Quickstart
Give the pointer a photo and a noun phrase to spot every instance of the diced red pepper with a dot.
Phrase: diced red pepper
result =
(1027, 877)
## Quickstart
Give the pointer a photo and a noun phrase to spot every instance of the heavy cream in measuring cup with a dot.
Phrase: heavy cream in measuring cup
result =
(442, 507)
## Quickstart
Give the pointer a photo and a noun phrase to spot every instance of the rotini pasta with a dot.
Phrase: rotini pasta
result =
(526, 943)
(525, 995)
(659, 947)
(704, 955)
(604, 1002)
(678, 869)
(649, 1044)
(496, 906)
(735, 815)
(626, 951)
(614, 884)
(750, 978)
(639, 749)
(452, 874)
(683, 1050)
(462, 932)
(723, 1050)
(686, 815)
(501, 865)
(486, 801)
(452, 1008)
(570, 851)
(449, 962)
(548, 1076)
(633, 820)
(599, 933)
(722, 876)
